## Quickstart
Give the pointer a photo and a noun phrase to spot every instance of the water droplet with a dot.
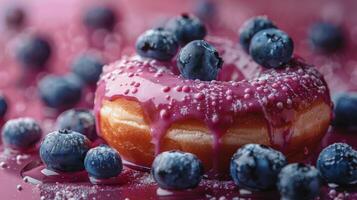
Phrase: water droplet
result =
(166, 89)
(199, 96)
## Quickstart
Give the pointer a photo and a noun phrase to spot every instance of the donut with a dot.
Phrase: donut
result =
(143, 107)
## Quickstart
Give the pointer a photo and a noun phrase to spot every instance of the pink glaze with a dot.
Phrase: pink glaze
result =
(167, 98)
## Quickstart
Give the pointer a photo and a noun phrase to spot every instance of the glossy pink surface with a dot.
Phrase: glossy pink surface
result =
(60, 20)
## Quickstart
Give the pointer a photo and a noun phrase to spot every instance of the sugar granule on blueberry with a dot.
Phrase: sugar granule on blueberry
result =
(3, 106)
(186, 28)
(345, 110)
(338, 164)
(103, 162)
(79, 120)
(298, 181)
(199, 60)
(251, 27)
(157, 44)
(60, 91)
(176, 170)
(21, 133)
(256, 167)
(271, 48)
(87, 67)
(64, 150)
(34, 51)
(326, 37)
(100, 17)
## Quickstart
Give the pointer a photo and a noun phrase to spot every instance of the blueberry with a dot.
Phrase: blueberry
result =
(60, 91)
(326, 37)
(21, 133)
(3, 106)
(205, 10)
(298, 181)
(157, 44)
(103, 162)
(79, 120)
(34, 52)
(271, 48)
(256, 167)
(186, 28)
(251, 27)
(88, 68)
(64, 150)
(100, 17)
(15, 17)
(338, 164)
(345, 110)
(199, 60)
(176, 170)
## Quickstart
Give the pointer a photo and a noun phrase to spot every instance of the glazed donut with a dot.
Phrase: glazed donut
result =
(143, 107)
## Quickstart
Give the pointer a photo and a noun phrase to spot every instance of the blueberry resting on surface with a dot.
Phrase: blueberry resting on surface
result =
(15, 17)
(298, 181)
(3, 106)
(256, 166)
(199, 60)
(345, 110)
(34, 52)
(79, 120)
(103, 162)
(271, 48)
(21, 133)
(251, 27)
(100, 17)
(157, 44)
(60, 91)
(88, 68)
(64, 150)
(176, 170)
(326, 37)
(205, 10)
(186, 28)
(338, 164)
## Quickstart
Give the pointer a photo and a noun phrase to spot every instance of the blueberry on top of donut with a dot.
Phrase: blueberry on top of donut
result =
(157, 44)
(186, 28)
(251, 27)
(199, 60)
(271, 48)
